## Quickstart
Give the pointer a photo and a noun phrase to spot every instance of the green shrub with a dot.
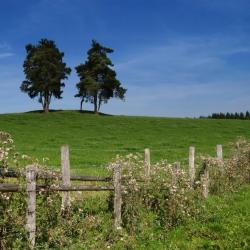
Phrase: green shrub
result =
(231, 173)
(166, 194)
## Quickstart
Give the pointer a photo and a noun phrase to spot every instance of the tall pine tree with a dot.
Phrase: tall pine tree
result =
(98, 82)
(45, 70)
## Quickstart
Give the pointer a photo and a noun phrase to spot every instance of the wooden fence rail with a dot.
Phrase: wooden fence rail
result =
(32, 187)
(11, 173)
(9, 187)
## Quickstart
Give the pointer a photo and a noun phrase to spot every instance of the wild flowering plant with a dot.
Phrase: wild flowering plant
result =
(13, 234)
(166, 194)
(55, 229)
(231, 173)
(6, 150)
(12, 206)
(238, 165)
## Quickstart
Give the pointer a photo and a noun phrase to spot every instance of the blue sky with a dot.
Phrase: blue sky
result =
(176, 58)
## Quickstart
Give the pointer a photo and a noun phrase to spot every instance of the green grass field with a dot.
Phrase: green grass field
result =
(95, 140)
(225, 224)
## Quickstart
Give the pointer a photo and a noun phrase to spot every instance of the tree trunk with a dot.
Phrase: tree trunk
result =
(99, 104)
(46, 107)
(81, 104)
(95, 105)
(46, 104)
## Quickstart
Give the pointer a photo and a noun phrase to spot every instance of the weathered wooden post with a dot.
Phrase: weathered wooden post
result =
(219, 156)
(31, 204)
(65, 164)
(219, 153)
(117, 197)
(176, 168)
(205, 181)
(147, 162)
(191, 165)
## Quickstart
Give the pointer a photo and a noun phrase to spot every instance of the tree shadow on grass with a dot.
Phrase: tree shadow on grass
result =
(68, 111)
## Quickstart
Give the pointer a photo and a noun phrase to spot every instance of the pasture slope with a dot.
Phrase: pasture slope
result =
(225, 224)
(96, 140)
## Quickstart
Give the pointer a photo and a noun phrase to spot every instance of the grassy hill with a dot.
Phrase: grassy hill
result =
(95, 140)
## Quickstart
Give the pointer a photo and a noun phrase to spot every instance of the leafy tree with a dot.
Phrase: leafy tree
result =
(45, 70)
(98, 82)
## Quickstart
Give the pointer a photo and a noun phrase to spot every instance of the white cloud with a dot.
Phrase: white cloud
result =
(5, 50)
(6, 54)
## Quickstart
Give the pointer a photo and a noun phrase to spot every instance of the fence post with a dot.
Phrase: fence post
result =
(176, 167)
(31, 204)
(219, 156)
(191, 165)
(65, 165)
(147, 162)
(219, 153)
(117, 197)
(205, 181)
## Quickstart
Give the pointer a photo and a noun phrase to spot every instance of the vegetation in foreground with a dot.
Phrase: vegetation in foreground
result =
(224, 224)
(154, 212)
(95, 140)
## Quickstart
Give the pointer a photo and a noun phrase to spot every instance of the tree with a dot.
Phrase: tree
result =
(98, 82)
(241, 116)
(45, 70)
(236, 115)
(231, 115)
(221, 115)
(247, 115)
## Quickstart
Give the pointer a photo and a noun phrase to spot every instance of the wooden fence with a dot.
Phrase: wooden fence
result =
(32, 187)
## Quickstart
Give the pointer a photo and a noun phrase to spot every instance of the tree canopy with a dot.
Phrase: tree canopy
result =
(236, 115)
(45, 70)
(98, 82)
